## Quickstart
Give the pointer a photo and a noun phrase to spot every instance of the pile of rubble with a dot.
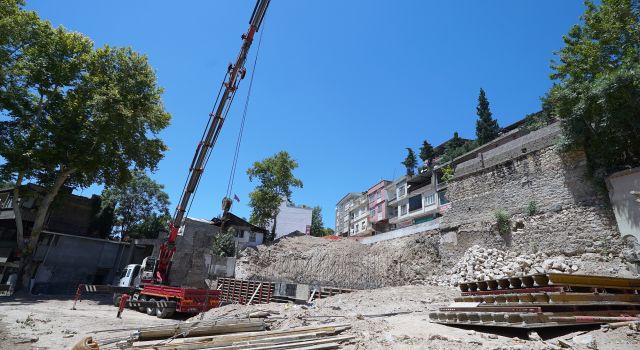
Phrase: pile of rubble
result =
(479, 264)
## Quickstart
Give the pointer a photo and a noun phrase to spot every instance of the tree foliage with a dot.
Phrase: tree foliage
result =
(275, 181)
(455, 147)
(597, 90)
(317, 226)
(140, 207)
(73, 115)
(427, 154)
(224, 243)
(410, 162)
(487, 128)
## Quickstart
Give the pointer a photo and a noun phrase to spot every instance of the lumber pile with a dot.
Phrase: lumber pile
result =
(245, 332)
(311, 337)
(544, 300)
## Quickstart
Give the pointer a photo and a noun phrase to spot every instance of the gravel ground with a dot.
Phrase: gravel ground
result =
(47, 322)
(52, 325)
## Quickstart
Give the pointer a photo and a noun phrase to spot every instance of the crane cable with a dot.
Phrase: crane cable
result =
(234, 164)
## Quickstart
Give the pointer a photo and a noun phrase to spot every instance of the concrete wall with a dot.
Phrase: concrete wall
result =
(66, 261)
(626, 205)
(292, 219)
(533, 141)
(402, 232)
(194, 261)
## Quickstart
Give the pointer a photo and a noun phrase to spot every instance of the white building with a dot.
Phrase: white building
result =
(292, 218)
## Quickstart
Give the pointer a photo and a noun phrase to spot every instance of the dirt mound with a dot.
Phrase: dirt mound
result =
(342, 263)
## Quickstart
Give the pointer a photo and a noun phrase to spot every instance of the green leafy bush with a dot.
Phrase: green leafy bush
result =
(503, 222)
(532, 208)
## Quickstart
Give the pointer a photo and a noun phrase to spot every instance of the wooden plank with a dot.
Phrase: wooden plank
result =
(243, 340)
(254, 293)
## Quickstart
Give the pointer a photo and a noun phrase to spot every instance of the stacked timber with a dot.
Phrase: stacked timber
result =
(312, 337)
(249, 332)
(543, 300)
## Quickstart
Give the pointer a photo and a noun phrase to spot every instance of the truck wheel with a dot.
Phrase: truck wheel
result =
(151, 310)
(165, 312)
(116, 299)
(142, 308)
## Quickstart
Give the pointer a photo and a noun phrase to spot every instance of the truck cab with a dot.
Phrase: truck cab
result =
(130, 276)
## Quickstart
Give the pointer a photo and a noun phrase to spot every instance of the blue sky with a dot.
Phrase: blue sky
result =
(343, 86)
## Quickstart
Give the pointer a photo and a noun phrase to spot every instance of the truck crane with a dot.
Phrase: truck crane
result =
(235, 73)
(148, 284)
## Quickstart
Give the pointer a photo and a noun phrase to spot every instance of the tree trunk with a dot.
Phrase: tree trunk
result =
(43, 207)
(272, 236)
(27, 267)
(18, 213)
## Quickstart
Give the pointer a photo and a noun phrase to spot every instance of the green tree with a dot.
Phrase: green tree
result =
(224, 243)
(317, 226)
(74, 115)
(275, 177)
(597, 84)
(410, 162)
(328, 232)
(427, 154)
(455, 147)
(140, 207)
(487, 128)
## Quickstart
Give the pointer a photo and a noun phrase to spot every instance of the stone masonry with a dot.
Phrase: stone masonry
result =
(570, 216)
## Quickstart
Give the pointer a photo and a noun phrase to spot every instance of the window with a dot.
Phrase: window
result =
(5, 200)
(379, 208)
(442, 198)
(403, 209)
(429, 199)
(402, 190)
(252, 236)
(372, 212)
(372, 197)
(415, 203)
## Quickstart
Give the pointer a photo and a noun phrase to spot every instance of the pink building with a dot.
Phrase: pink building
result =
(378, 209)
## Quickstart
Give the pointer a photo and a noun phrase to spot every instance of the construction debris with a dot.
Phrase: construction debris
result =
(227, 333)
(481, 263)
(543, 300)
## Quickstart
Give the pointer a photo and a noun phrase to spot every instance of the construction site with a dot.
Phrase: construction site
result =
(509, 241)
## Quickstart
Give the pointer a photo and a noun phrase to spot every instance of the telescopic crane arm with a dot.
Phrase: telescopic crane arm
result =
(235, 73)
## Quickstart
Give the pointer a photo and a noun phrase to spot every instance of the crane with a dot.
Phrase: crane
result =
(235, 73)
(147, 284)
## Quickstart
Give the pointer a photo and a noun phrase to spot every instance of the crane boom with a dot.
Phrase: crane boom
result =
(235, 73)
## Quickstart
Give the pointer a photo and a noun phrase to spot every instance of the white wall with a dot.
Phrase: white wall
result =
(292, 219)
(624, 203)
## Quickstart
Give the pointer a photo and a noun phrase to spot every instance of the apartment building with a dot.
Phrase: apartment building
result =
(378, 210)
(359, 216)
(416, 200)
(343, 210)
